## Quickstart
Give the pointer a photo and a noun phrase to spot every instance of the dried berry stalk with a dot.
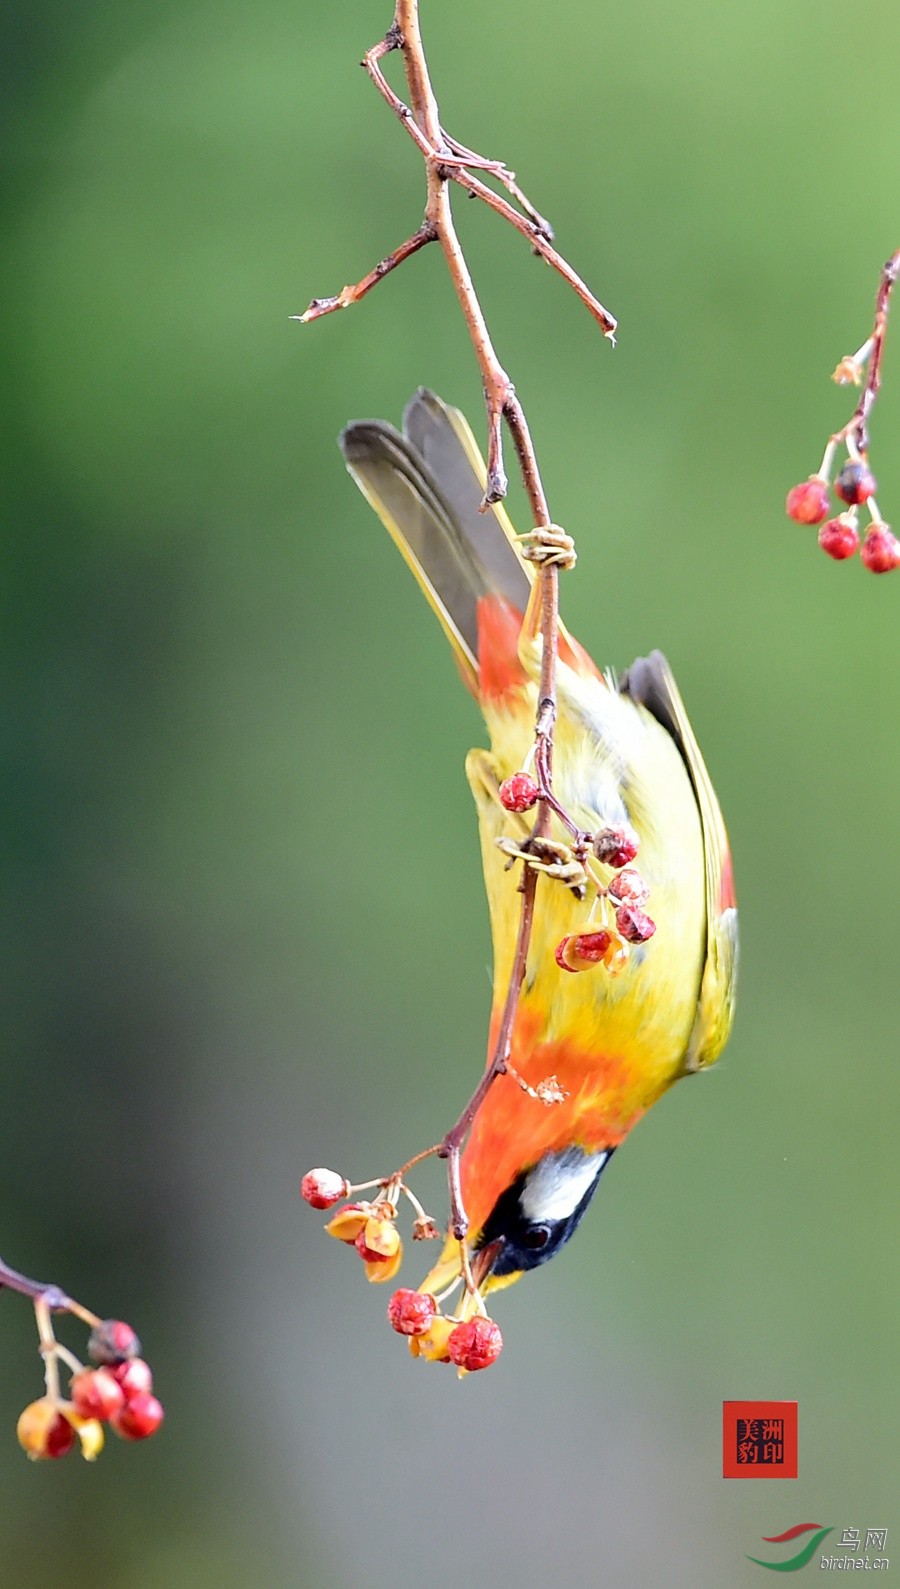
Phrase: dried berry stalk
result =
(447, 161)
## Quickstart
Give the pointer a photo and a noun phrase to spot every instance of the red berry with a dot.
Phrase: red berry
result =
(808, 502)
(579, 950)
(629, 888)
(323, 1188)
(616, 846)
(99, 1392)
(855, 483)
(60, 1438)
(43, 1432)
(592, 946)
(139, 1418)
(411, 1312)
(559, 954)
(518, 793)
(475, 1344)
(112, 1342)
(370, 1254)
(839, 539)
(133, 1377)
(880, 550)
(634, 925)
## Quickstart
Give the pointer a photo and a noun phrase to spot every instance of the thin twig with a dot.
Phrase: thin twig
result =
(348, 295)
(539, 242)
(49, 1296)
(53, 1296)
(475, 162)
(860, 420)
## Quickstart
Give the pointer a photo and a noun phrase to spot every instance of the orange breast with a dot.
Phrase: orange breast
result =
(513, 1130)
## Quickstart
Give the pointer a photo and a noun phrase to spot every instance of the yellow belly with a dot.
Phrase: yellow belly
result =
(612, 761)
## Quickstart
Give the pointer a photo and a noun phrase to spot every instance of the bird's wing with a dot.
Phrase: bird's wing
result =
(427, 486)
(650, 681)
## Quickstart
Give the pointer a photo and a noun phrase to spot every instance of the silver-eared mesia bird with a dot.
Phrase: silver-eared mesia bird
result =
(616, 1034)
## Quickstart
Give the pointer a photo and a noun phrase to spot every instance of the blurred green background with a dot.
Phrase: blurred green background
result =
(244, 925)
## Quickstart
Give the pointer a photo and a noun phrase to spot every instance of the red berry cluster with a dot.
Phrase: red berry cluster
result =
(810, 503)
(628, 893)
(371, 1230)
(471, 1340)
(131, 1409)
(471, 1343)
(369, 1227)
(117, 1391)
(615, 847)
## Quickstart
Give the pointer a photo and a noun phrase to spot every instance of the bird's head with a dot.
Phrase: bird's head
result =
(529, 1221)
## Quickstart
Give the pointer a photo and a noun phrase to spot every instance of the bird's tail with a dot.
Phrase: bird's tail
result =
(427, 485)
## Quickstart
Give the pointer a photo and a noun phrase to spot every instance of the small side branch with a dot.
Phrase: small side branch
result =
(426, 233)
(37, 1290)
(496, 168)
(50, 1297)
(537, 237)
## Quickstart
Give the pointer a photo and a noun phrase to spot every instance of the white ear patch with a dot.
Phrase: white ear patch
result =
(555, 1187)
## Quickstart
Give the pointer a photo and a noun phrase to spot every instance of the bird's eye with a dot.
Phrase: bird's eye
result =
(535, 1237)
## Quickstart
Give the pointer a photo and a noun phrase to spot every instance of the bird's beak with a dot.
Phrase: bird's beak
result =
(483, 1261)
(448, 1267)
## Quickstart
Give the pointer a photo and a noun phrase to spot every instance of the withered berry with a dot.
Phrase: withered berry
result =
(629, 888)
(112, 1341)
(322, 1188)
(634, 925)
(855, 483)
(475, 1344)
(411, 1312)
(616, 846)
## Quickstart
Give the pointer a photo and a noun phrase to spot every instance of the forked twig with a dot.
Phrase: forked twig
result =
(447, 160)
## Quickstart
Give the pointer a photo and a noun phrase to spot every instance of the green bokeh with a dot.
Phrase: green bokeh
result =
(245, 929)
